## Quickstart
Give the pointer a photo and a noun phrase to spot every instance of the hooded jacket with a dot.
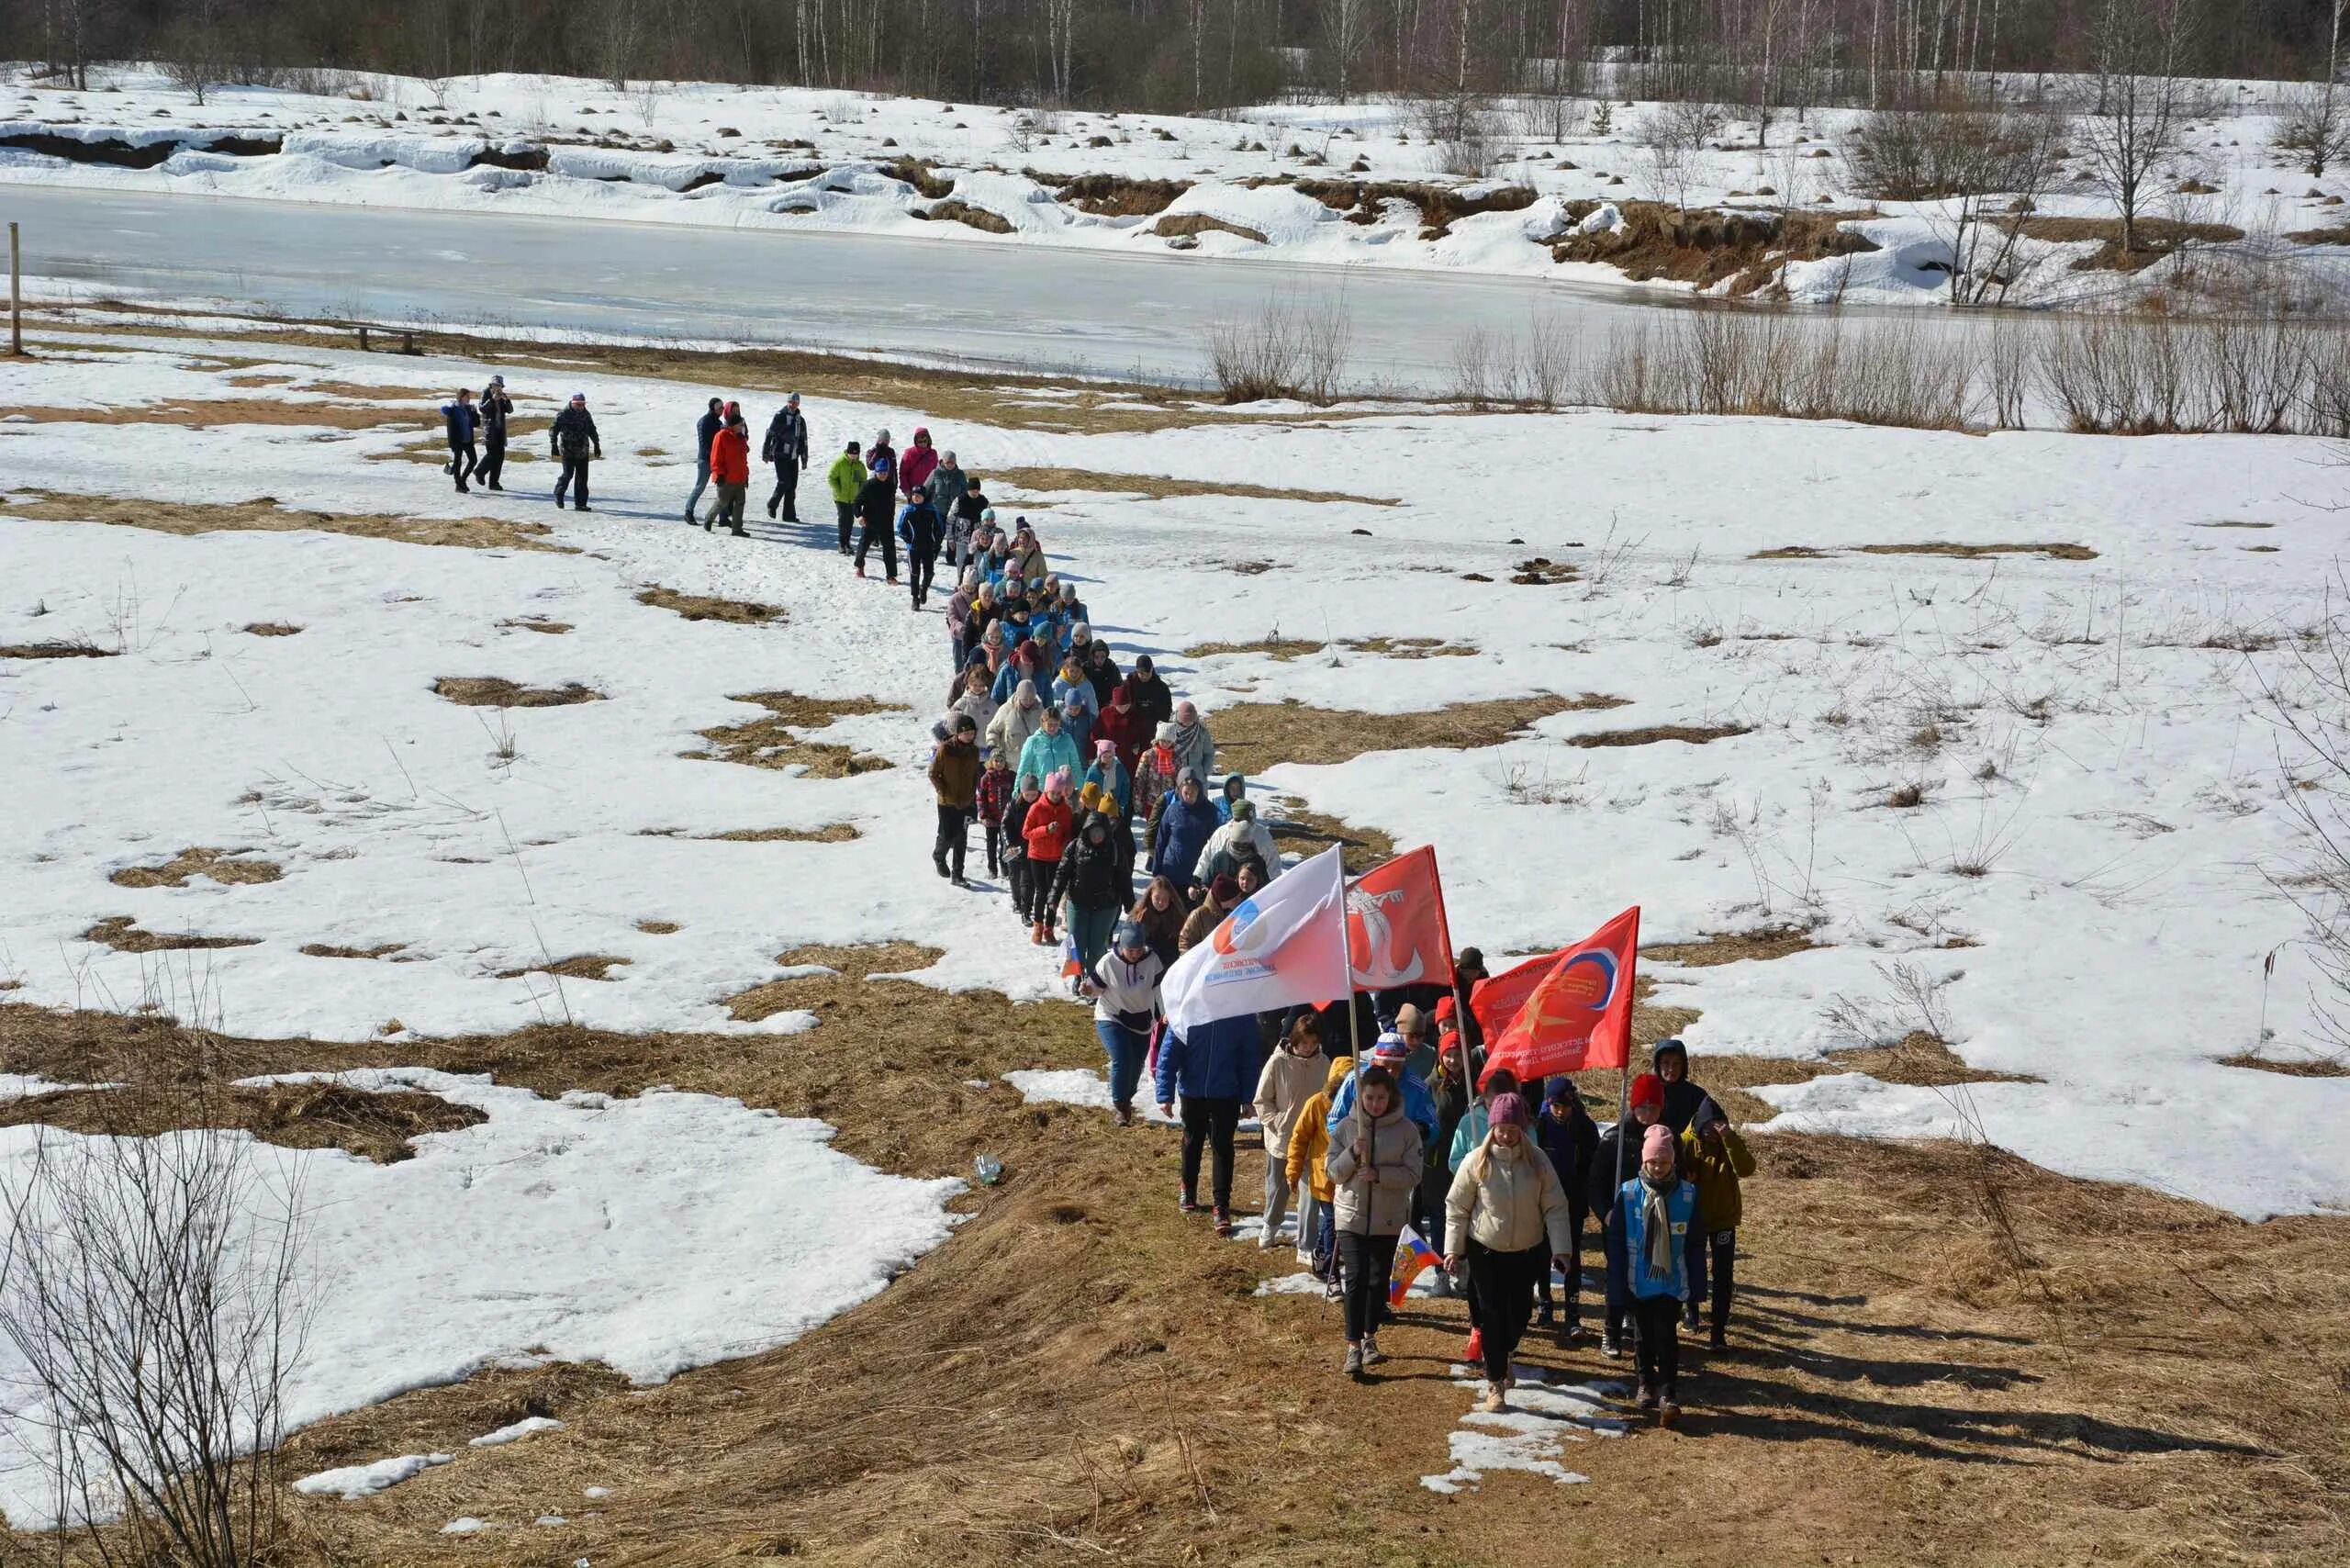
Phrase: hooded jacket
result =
(1046, 828)
(1127, 994)
(1123, 727)
(1090, 874)
(1287, 1081)
(1215, 1061)
(1373, 1197)
(1606, 1176)
(844, 478)
(1309, 1135)
(1570, 1142)
(1008, 731)
(1507, 1200)
(1242, 841)
(1184, 831)
(916, 468)
(462, 420)
(1151, 695)
(1682, 1099)
(1044, 753)
(729, 455)
(1715, 1170)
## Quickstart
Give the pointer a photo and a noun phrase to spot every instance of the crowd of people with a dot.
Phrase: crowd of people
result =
(1100, 813)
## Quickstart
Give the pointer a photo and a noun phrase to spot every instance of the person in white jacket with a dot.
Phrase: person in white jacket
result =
(1125, 1003)
(1016, 720)
(1505, 1218)
(1293, 1075)
(1237, 841)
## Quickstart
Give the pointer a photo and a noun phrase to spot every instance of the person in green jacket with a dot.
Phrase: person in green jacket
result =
(1714, 1156)
(844, 478)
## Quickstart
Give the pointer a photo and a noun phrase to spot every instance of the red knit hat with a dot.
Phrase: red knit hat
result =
(1647, 1090)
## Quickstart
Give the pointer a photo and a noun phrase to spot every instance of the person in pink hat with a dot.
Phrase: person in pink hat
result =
(1650, 1232)
(1506, 1217)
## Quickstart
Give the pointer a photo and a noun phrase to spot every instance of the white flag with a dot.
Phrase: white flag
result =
(1285, 944)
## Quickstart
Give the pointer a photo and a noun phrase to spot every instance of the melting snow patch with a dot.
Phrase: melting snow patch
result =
(1076, 1086)
(530, 1426)
(356, 1480)
(1302, 1284)
(464, 1524)
(1530, 1434)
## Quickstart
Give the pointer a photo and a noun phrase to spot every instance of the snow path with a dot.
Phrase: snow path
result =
(1532, 1434)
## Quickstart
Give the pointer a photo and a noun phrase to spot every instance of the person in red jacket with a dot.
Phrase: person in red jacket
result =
(1047, 830)
(919, 463)
(729, 470)
(1123, 726)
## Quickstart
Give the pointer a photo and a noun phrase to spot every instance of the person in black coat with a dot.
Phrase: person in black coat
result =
(571, 438)
(462, 420)
(494, 407)
(1567, 1134)
(787, 448)
(1670, 1062)
(1151, 695)
(705, 431)
(877, 508)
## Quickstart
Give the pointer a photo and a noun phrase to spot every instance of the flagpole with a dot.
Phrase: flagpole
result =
(1624, 1073)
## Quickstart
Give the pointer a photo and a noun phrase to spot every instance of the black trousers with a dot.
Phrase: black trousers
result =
(573, 468)
(1720, 1257)
(1367, 1263)
(1502, 1283)
(1015, 872)
(847, 511)
(953, 836)
(462, 461)
(922, 565)
(995, 849)
(786, 488)
(492, 467)
(878, 532)
(1208, 1124)
(1657, 1352)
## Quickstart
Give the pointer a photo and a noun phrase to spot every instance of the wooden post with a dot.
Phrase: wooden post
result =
(362, 339)
(15, 292)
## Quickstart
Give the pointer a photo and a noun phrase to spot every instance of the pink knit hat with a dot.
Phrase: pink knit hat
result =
(1507, 1110)
(1658, 1145)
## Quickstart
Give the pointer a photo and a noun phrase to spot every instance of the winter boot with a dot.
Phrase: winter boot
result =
(739, 533)
(1610, 1346)
(1036, 933)
(1224, 1224)
(1546, 1315)
(1492, 1401)
(938, 858)
(860, 569)
(1186, 1203)
(1668, 1411)
(1719, 1339)
(1474, 1350)
(1353, 1366)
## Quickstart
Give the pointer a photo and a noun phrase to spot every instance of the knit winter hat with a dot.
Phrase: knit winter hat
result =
(1647, 1090)
(1243, 811)
(1562, 1090)
(1390, 1046)
(1186, 775)
(1128, 938)
(1024, 693)
(1104, 748)
(1165, 735)
(1658, 1145)
(1143, 664)
(1224, 890)
(1506, 1111)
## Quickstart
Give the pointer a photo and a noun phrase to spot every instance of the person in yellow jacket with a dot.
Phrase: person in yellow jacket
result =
(1504, 1219)
(844, 478)
(1714, 1156)
(1309, 1147)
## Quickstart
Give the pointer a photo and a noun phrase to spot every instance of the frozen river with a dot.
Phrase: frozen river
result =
(1010, 306)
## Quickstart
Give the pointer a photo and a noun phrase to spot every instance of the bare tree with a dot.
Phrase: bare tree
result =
(1672, 139)
(2139, 54)
(155, 1288)
(1994, 166)
(1345, 25)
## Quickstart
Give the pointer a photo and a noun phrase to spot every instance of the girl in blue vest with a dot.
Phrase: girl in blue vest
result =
(1648, 1234)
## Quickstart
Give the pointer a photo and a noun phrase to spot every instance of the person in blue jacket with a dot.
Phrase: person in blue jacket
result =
(1648, 1234)
(1214, 1067)
(705, 431)
(1419, 1105)
(462, 420)
(1185, 823)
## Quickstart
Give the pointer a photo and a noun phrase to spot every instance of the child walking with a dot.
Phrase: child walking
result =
(1570, 1137)
(1374, 1164)
(1292, 1076)
(1648, 1238)
(1309, 1145)
(995, 800)
(1716, 1158)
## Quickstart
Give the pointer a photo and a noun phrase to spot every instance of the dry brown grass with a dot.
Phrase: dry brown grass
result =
(264, 515)
(659, 927)
(122, 932)
(1282, 649)
(330, 951)
(291, 1116)
(1734, 946)
(533, 624)
(61, 648)
(2309, 1067)
(1185, 225)
(774, 741)
(1659, 240)
(2158, 238)
(1971, 552)
(579, 965)
(1158, 487)
(210, 413)
(273, 629)
(1409, 647)
(830, 832)
(497, 691)
(214, 863)
(703, 607)
(1262, 734)
(1689, 735)
(1310, 833)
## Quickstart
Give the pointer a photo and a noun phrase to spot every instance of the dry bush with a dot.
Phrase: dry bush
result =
(1292, 350)
(2153, 375)
(1733, 361)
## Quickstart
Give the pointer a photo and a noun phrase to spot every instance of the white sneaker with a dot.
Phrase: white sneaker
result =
(1268, 1241)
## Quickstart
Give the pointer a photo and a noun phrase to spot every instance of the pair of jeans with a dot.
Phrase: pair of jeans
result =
(787, 489)
(1125, 1047)
(1657, 1353)
(1368, 1264)
(1713, 1271)
(1090, 926)
(1209, 1125)
(701, 483)
(492, 467)
(954, 838)
(727, 513)
(462, 461)
(1502, 1283)
(573, 468)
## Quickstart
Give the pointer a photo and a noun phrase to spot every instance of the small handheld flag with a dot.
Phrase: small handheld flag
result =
(1413, 1257)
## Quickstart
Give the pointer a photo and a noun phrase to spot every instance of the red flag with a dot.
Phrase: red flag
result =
(1579, 1013)
(1396, 934)
(1496, 1001)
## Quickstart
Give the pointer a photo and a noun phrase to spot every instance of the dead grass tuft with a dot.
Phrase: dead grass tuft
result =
(702, 607)
(61, 649)
(2158, 238)
(533, 624)
(1285, 649)
(1310, 833)
(772, 742)
(122, 934)
(1691, 735)
(579, 965)
(1733, 946)
(1187, 225)
(497, 691)
(273, 629)
(1262, 734)
(291, 1116)
(1160, 487)
(2309, 1066)
(214, 863)
(830, 832)
(813, 992)
(328, 950)
(659, 927)
(1970, 551)
(264, 515)
(1409, 647)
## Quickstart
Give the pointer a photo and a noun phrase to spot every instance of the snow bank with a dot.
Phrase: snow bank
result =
(353, 1482)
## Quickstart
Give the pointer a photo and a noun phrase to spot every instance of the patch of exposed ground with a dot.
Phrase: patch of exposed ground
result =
(1311, 833)
(1915, 1366)
(952, 210)
(579, 965)
(1691, 735)
(1284, 649)
(702, 607)
(209, 413)
(1660, 240)
(2156, 237)
(535, 623)
(263, 514)
(497, 691)
(272, 629)
(1542, 572)
(328, 950)
(57, 649)
(1262, 734)
(2234, 523)
(659, 927)
(1409, 647)
(1732, 947)
(291, 1116)
(2302, 1067)
(121, 933)
(1962, 552)
(1190, 225)
(1158, 487)
(830, 832)
(774, 741)
(215, 863)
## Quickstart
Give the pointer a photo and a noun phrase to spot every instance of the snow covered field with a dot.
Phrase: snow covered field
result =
(798, 159)
(2028, 799)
